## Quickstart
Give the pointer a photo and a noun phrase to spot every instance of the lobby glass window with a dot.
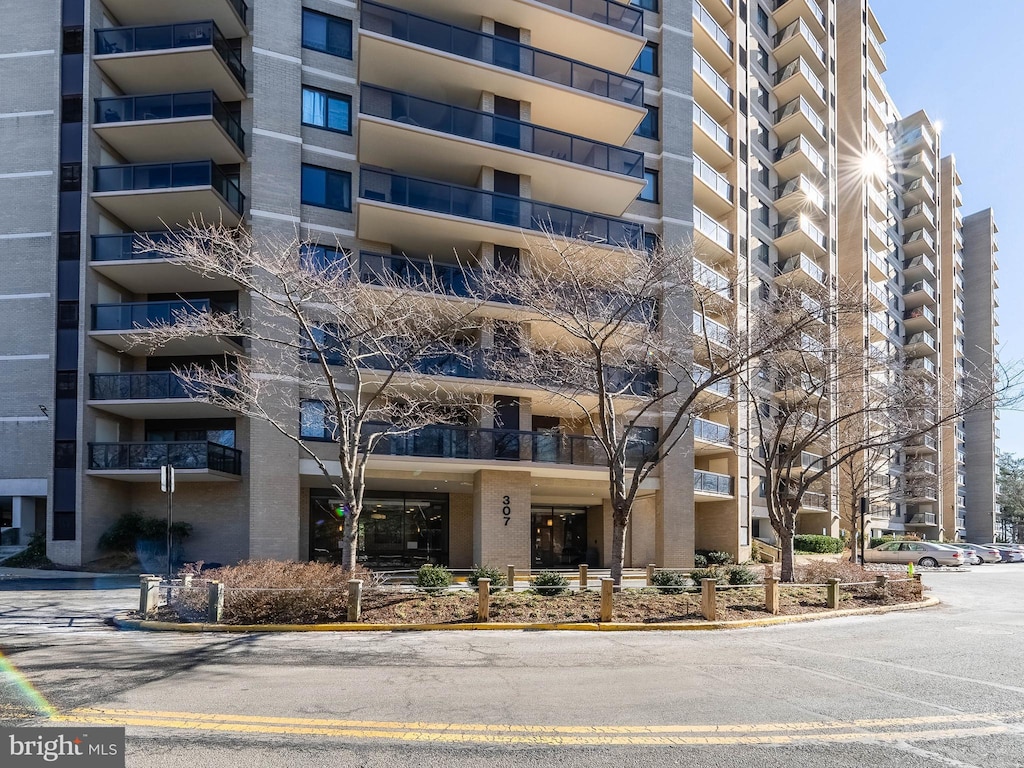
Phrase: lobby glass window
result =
(326, 109)
(649, 193)
(647, 61)
(326, 188)
(327, 34)
(649, 126)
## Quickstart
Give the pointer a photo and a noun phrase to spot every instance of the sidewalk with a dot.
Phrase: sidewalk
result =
(41, 573)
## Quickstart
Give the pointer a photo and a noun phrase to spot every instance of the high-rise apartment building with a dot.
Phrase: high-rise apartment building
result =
(393, 132)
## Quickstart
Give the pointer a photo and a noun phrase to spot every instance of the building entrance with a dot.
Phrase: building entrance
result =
(559, 537)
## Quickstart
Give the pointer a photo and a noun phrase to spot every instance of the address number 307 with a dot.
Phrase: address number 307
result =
(506, 508)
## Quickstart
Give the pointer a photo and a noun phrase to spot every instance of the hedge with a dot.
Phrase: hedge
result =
(826, 545)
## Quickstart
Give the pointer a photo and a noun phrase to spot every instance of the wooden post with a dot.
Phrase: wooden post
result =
(882, 581)
(919, 585)
(583, 576)
(771, 595)
(215, 606)
(707, 598)
(832, 599)
(355, 599)
(511, 577)
(483, 608)
(149, 593)
(650, 574)
(186, 581)
(607, 590)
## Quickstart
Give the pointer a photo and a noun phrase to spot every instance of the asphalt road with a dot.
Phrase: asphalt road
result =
(942, 687)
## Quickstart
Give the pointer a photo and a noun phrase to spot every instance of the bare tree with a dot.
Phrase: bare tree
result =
(836, 401)
(333, 356)
(626, 341)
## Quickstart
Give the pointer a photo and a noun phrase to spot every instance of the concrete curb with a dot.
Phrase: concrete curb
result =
(122, 622)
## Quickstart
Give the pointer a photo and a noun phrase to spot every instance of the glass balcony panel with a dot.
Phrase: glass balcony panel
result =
(711, 127)
(151, 456)
(711, 76)
(712, 482)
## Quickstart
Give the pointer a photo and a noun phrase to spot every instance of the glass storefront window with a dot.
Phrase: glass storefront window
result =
(559, 537)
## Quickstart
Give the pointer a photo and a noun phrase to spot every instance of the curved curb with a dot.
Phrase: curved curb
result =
(121, 622)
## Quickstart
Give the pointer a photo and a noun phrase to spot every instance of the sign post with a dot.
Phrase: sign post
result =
(167, 486)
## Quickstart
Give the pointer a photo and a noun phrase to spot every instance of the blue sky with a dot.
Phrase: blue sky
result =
(959, 62)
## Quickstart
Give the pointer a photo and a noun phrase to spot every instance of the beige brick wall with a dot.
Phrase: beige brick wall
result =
(496, 543)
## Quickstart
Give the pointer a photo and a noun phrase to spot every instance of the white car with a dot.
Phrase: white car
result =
(982, 553)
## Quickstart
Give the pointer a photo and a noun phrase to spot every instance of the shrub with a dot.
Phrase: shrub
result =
(827, 545)
(670, 582)
(549, 583)
(719, 558)
(33, 556)
(707, 573)
(130, 528)
(699, 561)
(740, 575)
(485, 572)
(433, 578)
(821, 571)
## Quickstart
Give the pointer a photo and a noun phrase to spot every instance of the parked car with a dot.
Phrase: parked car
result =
(1010, 552)
(926, 553)
(979, 552)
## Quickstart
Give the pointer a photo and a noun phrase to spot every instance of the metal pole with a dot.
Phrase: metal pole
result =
(863, 527)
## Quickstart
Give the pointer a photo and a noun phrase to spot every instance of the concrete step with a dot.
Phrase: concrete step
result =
(8, 551)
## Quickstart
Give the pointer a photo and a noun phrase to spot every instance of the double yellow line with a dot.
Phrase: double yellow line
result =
(876, 729)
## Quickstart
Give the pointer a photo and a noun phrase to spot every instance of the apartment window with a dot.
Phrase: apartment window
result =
(648, 127)
(764, 176)
(328, 34)
(647, 61)
(315, 422)
(761, 213)
(64, 452)
(321, 258)
(71, 109)
(69, 246)
(323, 341)
(652, 241)
(762, 18)
(66, 384)
(328, 110)
(326, 188)
(647, 5)
(760, 57)
(71, 177)
(762, 135)
(650, 192)
(67, 314)
(764, 290)
(761, 253)
(762, 95)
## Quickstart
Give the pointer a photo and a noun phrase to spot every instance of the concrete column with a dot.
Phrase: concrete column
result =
(501, 518)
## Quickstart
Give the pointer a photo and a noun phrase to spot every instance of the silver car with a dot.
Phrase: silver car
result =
(926, 553)
(982, 554)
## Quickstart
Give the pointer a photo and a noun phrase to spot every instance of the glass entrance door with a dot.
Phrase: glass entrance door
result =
(559, 537)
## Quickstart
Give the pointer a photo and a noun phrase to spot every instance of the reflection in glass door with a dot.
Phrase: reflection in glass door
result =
(559, 537)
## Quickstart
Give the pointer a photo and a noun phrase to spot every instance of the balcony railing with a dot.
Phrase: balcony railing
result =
(803, 185)
(711, 229)
(920, 467)
(710, 75)
(710, 432)
(713, 28)
(925, 312)
(606, 12)
(800, 105)
(920, 236)
(502, 131)
(812, 500)
(918, 262)
(144, 314)
(151, 456)
(801, 224)
(498, 52)
(482, 205)
(150, 385)
(712, 482)
(162, 37)
(803, 263)
(799, 27)
(722, 386)
(127, 109)
(452, 279)
(712, 280)
(149, 176)
(711, 127)
(818, 13)
(125, 247)
(480, 444)
(920, 285)
(921, 518)
(801, 144)
(799, 66)
(712, 178)
(715, 332)
(926, 441)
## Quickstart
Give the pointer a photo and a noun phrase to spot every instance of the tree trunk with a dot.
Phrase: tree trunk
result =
(786, 546)
(618, 553)
(349, 544)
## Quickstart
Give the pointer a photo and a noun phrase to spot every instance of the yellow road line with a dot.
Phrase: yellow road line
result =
(550, 739)
(513, 728)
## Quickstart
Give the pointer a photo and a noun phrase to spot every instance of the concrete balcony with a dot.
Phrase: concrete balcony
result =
(169, 58)
(799, 157)
(918, 166)
(798, 236)
(712, 191)
(408, 52)
(919, 268)
(919, 319)
(153, 196)
(118, 258)
(442, 141)
(788, 11)
(799, 119)
(919, 190)
(918, 294)
(604, 33)
(230, 16)
(125, 327)
(711, 90)
(195, 462)
(920, 445)
(168, 127)
(714, 332)
(796, 80)
(710, 39)
(797, 196)
(425, 215)
(797, 41)
(919, 242)
(919, 345)
(712, 486)
(803, 270)
(147, 395)
(920, 469)
(796, 388)
(921, 519)
(710, 437)
(711, 140)
(919, 216)
(713, 280)
(714, 242)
